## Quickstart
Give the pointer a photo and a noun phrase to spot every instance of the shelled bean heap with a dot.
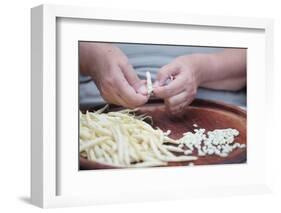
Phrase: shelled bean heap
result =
(220, 142)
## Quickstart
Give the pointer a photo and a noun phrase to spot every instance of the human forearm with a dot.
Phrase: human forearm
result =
(225, 70)
(89, 55)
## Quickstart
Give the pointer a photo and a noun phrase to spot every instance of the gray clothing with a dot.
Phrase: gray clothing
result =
(151, 58)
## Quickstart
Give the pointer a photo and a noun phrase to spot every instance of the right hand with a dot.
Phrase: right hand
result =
(114, 76)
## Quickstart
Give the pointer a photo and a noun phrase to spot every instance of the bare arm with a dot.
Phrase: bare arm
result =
(225, 70)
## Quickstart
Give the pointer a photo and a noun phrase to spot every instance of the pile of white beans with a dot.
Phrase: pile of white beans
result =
(220, 142)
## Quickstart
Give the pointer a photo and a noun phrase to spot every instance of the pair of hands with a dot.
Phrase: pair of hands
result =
(119, 84)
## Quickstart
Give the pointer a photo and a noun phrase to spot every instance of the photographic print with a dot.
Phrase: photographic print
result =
(156, 105)
(153, 98)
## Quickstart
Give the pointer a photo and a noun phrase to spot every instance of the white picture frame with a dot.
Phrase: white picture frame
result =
(46, 170)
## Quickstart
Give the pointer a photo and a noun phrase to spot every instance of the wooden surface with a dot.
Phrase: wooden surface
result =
(206, 114)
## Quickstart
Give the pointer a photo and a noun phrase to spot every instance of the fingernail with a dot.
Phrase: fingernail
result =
(142, 90)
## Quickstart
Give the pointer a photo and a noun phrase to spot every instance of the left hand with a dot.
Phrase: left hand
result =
(181, 91)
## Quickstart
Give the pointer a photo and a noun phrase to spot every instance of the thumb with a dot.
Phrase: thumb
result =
(165, 73)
